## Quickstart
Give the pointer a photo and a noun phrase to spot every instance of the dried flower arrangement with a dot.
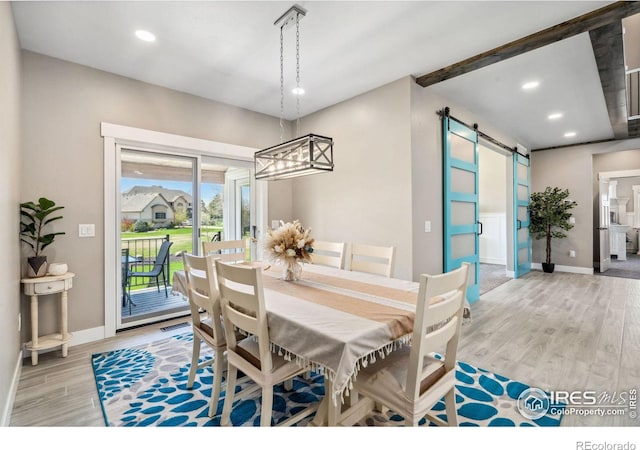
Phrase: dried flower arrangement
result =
(289, 244)
(289, 241)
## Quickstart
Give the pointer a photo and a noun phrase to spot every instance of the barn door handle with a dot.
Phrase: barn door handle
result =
(480, 223)
(519, 223)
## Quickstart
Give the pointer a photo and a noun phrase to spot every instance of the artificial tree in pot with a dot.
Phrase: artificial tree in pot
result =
(549, 213)
(34, 217)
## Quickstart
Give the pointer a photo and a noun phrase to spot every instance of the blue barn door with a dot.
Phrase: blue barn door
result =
(521, 236)
(461, 225)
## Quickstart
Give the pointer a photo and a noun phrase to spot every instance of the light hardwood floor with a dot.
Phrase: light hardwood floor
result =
(553, 331)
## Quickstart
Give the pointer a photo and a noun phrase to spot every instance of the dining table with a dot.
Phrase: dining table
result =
(335, 322)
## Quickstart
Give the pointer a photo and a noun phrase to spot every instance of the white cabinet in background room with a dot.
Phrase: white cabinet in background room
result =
(618, 240)
(493, 240)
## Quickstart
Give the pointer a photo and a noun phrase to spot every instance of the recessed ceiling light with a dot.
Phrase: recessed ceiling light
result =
(554, 116)
(530, 85)
(570, 134)
(145, 35)
(297, 91)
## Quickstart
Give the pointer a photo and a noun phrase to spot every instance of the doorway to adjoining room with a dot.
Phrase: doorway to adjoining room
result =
(493, 167)
(623, 224)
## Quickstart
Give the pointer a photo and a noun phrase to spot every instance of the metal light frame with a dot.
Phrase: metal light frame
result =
(303, 155)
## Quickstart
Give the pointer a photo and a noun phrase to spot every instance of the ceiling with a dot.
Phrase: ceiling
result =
(229, 52)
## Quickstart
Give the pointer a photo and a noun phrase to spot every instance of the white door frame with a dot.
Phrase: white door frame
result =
(115, 136)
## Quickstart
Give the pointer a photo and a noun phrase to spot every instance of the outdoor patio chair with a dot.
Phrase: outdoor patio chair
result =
(159, 267)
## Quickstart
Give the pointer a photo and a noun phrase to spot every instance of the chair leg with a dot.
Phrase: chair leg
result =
(288, 384)
(232, 374)
(195, 356)
(450, 404)
(267, 406)
(218, 369)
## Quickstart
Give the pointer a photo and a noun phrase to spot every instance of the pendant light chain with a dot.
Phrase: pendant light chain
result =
(281, 86)
(298, 93)
(302, 155)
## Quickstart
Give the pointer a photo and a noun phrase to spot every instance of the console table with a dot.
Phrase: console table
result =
(35, 287)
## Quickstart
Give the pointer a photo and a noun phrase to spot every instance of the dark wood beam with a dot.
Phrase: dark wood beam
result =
(608, 49)
(581, 24)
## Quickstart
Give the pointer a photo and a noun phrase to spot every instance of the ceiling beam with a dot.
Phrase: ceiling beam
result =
(608, 50)
(578, 25)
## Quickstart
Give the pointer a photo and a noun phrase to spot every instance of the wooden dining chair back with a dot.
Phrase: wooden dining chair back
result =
(204, 300)
(160, 267)
(243, 308)
(228, 251)
(328, 254)
(411, 380)
(372, 259)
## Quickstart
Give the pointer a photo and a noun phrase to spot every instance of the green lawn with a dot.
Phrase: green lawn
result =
(182, 242)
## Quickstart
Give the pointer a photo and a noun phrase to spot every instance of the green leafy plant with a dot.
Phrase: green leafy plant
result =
(549, 214)
(34, 217)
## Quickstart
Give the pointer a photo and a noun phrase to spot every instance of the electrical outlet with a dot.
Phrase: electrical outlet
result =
(19, 321)
(572, 220)
(427, 226)
(572, 253)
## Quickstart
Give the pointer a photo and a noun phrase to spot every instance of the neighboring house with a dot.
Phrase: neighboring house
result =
(153, 208)
(154, 204)
(179, 201)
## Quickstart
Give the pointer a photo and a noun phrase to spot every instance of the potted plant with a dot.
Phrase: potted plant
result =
(549, 213)
(34, 217)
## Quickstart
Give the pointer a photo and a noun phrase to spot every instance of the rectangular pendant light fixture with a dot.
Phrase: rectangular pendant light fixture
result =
(304, 155)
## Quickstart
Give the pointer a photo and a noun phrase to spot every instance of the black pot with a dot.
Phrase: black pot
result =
(548, 268)
(36, 266)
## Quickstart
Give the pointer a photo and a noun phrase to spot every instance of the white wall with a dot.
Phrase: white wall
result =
(10, 170)
(426, 142)
(492, 180)
(367, 198)
(63, 105)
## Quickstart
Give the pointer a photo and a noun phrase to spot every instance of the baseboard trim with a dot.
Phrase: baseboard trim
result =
(5, 420)
(568, 269)
(510, 273)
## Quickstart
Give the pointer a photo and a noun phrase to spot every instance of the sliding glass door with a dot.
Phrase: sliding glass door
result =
(228, 200)
(157, 198)
(169, 204)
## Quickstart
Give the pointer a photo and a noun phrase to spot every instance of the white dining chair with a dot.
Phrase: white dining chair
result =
(243, 307)
(203, 297)
(327, 253)
(233, 251)
(409, 381)
(372, 259)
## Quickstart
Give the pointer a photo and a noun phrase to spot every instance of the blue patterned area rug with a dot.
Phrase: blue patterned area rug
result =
(146, 386)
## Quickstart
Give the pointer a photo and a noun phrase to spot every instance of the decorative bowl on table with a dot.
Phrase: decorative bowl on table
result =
(58, 269)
